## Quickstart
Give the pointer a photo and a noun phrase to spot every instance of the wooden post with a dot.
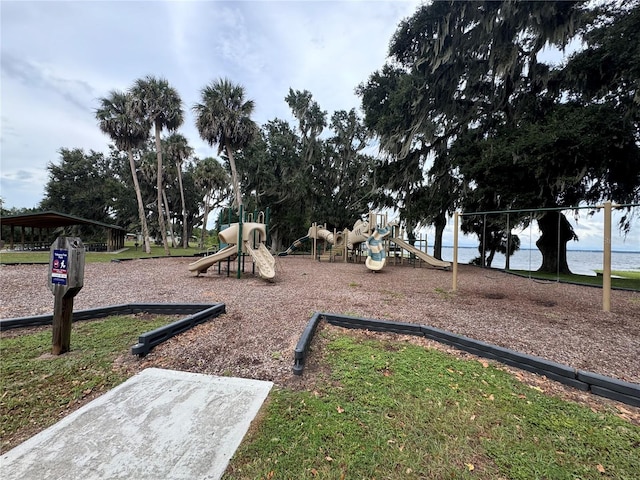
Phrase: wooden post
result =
(65, 278)
(62, 317)
(606, 261)
(455, 252)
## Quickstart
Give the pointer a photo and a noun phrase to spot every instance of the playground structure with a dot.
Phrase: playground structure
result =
(336, 243)
(238, 240)
(383, 239)
(376, 235)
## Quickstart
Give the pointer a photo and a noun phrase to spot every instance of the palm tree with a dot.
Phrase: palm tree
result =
(149, 170)
(211, 178)
(178, 150)
(161, 105)
(118, 120)
(223, 119)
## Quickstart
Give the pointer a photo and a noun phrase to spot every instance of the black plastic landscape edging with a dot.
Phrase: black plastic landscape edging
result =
(148, 340)
(303, 344)
(197, 313)
(597, 384)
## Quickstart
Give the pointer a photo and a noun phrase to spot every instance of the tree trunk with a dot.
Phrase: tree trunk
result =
(276, 241)
(174, 243)
(185, 233)
(161, 224)
(489, 260)
(190, 223)
(556, 232)
(234, 177)
(204, 221)
(440, 223)
(141, 212)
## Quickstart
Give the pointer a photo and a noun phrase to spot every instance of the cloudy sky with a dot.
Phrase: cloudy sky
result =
(59, 58)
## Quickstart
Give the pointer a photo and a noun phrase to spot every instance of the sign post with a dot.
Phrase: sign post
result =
(65, 279)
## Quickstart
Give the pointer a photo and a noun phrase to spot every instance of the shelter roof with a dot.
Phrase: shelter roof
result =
(51, 219)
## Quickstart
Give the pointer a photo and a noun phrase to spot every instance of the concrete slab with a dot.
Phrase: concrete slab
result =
(158, 424)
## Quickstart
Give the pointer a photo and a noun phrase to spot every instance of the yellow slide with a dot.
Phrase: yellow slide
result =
(263, 260)
(434, 262)
(201, 266)
(261, 256)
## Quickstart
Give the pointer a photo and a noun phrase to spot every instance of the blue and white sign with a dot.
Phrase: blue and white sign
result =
(59, 267)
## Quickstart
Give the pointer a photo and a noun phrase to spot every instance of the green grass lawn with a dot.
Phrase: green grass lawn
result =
(130, 253)
(382, 410)
(634, 274)
(391, 410)
(629, 280)
(36, 388)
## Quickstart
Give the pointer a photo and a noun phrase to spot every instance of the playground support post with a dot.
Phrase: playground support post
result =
(240, 249)
(345, 235)
(267, 218)
(455, 252)
(315, 240)
(606, 260)
(507, 265)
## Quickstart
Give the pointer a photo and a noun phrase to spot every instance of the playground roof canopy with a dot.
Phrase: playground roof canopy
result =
(51, 219)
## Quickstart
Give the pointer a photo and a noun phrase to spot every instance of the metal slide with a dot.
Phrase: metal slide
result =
(434, 262)
(204, 263)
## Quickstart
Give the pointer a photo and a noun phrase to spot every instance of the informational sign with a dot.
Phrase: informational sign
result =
(59, 267)
(65, 280)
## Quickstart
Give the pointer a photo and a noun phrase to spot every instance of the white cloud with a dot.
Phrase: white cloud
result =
(58, 58)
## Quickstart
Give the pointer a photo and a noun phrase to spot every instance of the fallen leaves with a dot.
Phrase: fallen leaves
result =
(600, 468)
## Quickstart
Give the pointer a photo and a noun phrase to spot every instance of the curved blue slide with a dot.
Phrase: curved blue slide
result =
(376, 259)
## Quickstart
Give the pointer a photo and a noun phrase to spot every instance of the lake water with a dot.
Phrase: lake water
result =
(580, 261)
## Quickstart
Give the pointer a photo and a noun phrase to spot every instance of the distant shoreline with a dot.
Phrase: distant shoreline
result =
(637, 252)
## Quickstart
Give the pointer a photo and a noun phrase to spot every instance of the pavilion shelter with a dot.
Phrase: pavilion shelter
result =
(37, 231)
